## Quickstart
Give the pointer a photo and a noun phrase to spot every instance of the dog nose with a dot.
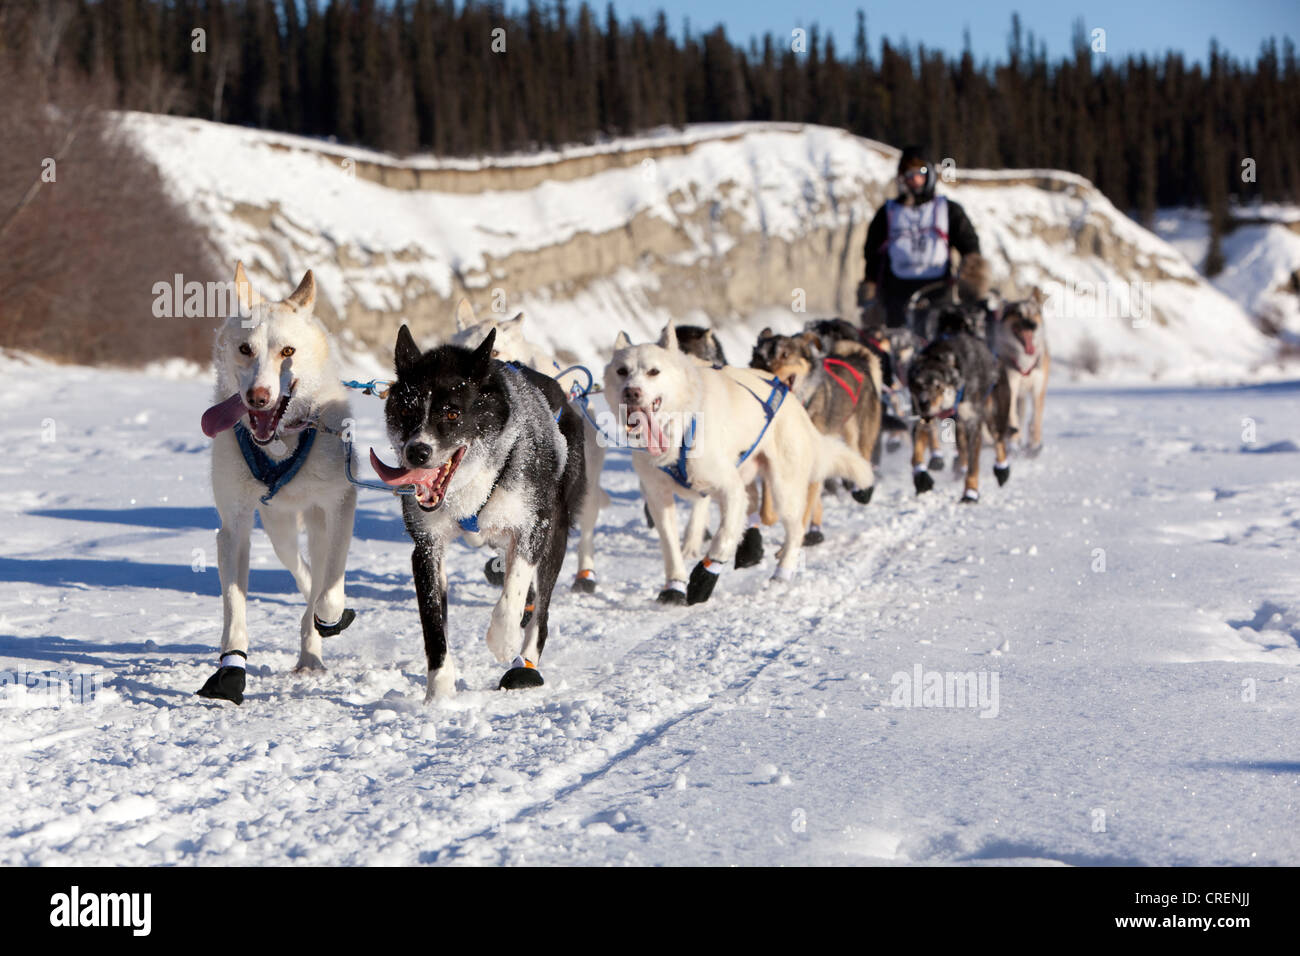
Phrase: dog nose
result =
(259, 397)
(418, 453)
(632, 395)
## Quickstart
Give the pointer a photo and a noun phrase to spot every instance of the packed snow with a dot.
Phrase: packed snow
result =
(1126, 609)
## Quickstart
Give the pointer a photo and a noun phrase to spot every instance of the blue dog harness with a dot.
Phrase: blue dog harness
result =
(274, 474)
(771, 405)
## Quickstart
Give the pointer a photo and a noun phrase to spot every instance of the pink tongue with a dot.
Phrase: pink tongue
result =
(1029, 343)
(397, 476)
(222, 416)
(655, 442)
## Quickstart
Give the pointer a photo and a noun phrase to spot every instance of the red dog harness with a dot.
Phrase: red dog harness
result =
(826, 366)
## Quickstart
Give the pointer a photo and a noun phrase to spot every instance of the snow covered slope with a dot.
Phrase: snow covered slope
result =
(728, 225)
(1133, 592)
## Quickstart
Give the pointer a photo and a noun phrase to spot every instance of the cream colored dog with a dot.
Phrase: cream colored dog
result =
(703, 432)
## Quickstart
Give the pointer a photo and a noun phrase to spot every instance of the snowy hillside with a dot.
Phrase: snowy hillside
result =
(1127, 605)
(717, 224)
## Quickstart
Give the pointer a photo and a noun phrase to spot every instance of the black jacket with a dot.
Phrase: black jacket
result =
(961, 236)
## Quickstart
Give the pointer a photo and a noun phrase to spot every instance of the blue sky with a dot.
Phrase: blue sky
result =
(1132, 26)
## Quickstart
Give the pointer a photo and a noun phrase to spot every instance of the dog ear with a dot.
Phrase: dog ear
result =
(668, 339)
(464, 315)
(517, 320)
(244, 289)
(304, 297)
(407, 352)
(622, 342)
(766, 333)
(483, 356)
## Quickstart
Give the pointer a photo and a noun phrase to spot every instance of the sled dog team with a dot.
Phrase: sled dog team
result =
(496, 442)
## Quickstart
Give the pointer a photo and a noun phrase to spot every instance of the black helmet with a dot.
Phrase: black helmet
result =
(913, 160)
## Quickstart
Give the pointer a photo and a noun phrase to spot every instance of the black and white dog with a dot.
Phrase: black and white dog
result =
(492, 449)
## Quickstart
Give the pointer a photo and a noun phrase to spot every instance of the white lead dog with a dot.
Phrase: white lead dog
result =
(278, 449)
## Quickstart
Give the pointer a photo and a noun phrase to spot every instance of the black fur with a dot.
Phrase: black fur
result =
(465, 397)
(701, 342)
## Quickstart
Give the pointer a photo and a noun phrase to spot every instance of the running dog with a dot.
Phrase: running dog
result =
(490, 449)
(698, 432)
(953, 377)
(278, 451)
(840, 392)
(1025, 363)
(512, 346)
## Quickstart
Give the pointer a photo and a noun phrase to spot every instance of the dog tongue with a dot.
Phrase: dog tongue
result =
(222, 416)
(398, 476)
(1028, 339)
(655, 441)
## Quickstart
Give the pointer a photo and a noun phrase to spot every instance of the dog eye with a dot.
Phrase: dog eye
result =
(653, 372)
(245, 349)
(622, 371)
(496, 352)
(286, 351)
(452, 414)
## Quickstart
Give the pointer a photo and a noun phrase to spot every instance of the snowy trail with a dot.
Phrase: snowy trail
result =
(757, 729)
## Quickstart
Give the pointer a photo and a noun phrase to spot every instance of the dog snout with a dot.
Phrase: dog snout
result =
(418, 453)
(259, 397)
(632, 395)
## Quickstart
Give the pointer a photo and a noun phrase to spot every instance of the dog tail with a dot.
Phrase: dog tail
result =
(838, 460)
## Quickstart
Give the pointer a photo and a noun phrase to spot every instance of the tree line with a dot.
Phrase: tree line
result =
(463, 78)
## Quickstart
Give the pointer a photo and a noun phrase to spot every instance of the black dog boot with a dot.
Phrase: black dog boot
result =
(495, 571)
(674, 594)
(585, 582)
(522, 674)
(750, 551)
(863, 495)
(922, 481)
(813, 537)
(228, 682)
(649, 521)
(1002, 473)
(704, 578)
(936, 462)
(338, 627)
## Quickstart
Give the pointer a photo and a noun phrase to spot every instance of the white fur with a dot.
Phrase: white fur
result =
(319, 497)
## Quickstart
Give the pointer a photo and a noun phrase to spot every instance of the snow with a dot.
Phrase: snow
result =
(1146, 713)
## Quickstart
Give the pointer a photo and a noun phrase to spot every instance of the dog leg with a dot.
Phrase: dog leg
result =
(659, 501)
(233, 542)
(282, 528)
(503, 631)
(921, 479)
(813, 516)
(592, 502)
(974, 434)
(326, 614)
(431, 595)
(693, 546)
(732, 498)
(1040, 400)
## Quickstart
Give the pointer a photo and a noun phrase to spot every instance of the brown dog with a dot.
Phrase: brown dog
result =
(1024, 365)
(841, 392)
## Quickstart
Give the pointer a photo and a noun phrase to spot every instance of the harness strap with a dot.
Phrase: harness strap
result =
(858, 376)
(677, 471)
(274, 474)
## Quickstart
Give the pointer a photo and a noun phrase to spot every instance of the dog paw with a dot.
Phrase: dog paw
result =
(585, 582)
(704, 578)
(674, 594)
(441, 683)
(226, 684)
(970, 496)
(813, 537)
(863, 495)
(522, 675)
(936, 463)
(1002, 473)
(338, 627)
(495, 571)
(1032, 451)
(750, 551)
(922, 482)
(309, 663)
